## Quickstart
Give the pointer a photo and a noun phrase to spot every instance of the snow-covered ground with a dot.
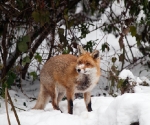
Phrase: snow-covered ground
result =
(122, 110)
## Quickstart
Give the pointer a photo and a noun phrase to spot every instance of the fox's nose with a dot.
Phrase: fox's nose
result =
(78, 70)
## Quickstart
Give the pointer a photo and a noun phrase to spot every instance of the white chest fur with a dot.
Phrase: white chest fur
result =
(86, 82)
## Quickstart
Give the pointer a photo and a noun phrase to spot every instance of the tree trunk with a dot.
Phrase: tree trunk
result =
(4, 52)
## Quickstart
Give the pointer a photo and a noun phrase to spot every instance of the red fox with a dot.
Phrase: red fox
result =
(68, 74)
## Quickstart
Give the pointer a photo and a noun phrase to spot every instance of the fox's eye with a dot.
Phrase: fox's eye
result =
(87, 64)
(79, 62)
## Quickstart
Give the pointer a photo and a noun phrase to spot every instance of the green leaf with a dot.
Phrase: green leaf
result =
(25, 38)
(121, 57)
(1, 66)
(26, 60)
(66, 17)
(61, 31)
(62, 38)
(34, 75)
(138, 39)
(44, 17)
(38, 57)
(89, 46)
(84, 30)
(20, 4)
(66, 51)
(120, 82)
(41, 16)
(113, 59)
(105, 46)
(22, 46)
(36, 16)
(133, 30)
(10, 79)
(70, 23)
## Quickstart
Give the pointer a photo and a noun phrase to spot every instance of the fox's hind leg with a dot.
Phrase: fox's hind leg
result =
(43, 98)
(60, 96)
(54, 96)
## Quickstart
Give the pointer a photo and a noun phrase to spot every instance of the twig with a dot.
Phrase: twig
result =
(7, 106)
(23, 91)
(100, 41)
(129, 47)
(123, 59)
(128, 57)
(13, 108)
(18, 108)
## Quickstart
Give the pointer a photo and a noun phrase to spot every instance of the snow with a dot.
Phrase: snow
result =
(142, 89)
(122, 110)
(126, 73)
(54, 117)
(128, 108)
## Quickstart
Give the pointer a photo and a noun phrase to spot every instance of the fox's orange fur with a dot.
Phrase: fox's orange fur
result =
(68, 74)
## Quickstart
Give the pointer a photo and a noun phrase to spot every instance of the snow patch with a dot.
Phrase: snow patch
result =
(126, 73)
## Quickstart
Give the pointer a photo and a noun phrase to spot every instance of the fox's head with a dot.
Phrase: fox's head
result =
(87, 63)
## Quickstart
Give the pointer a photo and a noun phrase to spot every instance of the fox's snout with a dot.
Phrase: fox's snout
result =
(82, 69)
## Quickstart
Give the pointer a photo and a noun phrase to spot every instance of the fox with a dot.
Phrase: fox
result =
(66, 75)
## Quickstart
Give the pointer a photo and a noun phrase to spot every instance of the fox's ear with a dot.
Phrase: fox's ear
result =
(95, 54)
(81, 50)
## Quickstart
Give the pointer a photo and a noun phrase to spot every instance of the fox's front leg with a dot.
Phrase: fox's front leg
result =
(70, 97)
(87, 99)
